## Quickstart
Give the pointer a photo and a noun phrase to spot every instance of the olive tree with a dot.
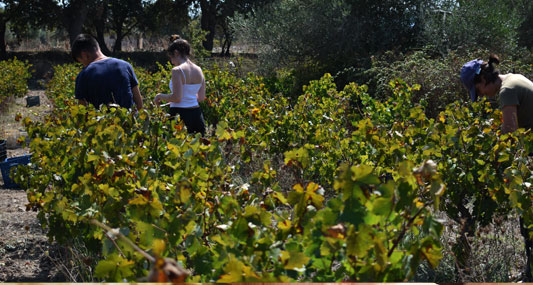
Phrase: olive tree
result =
(490, 24)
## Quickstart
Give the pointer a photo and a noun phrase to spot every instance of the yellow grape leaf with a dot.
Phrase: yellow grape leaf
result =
(433, 256)
(92, 157)
(316, 198)
(279, 196)
(230, 277)
(98, 235)
(174, 149)
(234, 271)
(219, 239)
(249, 273)
(185, 194)
(381, 253)
(109, 191)
(298, 188)
(114, 264)
(360, 242)
(69, 215)
(157, 208)
(285, 225)
(138, 200)
(159, 247)
(431, 252)
(294, 260)
(223, 135)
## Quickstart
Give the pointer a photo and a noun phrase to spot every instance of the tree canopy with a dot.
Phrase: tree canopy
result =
(337, 32)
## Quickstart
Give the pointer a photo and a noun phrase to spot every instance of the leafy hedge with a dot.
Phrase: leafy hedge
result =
(14, 82)
(437, 75)
(368, 176)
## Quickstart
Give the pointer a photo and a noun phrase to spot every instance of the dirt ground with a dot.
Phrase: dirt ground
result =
(25, 253)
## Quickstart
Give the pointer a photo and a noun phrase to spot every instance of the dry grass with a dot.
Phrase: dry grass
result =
(498, 254)
(10, 129)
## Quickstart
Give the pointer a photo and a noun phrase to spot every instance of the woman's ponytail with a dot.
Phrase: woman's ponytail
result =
(488, 72)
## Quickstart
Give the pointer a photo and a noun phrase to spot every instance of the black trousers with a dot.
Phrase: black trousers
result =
(192, 117)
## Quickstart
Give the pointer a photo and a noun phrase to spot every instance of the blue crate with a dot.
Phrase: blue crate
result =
(5, 167)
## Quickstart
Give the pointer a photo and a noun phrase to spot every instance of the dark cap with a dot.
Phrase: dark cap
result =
(468, 73)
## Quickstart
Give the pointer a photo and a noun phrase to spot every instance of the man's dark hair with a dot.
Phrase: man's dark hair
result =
(84, 42)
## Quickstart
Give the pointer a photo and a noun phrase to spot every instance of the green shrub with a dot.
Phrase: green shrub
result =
(14, 83)
(438, 76)
(62, 84)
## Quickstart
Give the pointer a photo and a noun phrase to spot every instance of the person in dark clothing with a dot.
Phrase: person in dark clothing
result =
(103, 80)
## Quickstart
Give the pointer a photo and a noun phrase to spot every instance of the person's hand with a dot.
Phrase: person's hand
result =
(157, 99)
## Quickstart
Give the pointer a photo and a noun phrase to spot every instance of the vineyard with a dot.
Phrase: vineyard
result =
(336, 185)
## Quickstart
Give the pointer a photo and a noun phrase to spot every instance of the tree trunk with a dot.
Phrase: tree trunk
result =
(118, 42)
(99, 25)
(3, 52)
(227, 39)
(140, 42)
(222, 46)
(101, 41)
(208, 21)
(74, 18)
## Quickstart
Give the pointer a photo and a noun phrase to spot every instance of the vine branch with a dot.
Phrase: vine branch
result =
(124, 239)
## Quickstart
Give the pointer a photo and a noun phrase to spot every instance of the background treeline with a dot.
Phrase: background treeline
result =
(368, 42)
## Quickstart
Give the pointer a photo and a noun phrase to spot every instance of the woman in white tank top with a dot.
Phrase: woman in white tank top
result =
(187, 85)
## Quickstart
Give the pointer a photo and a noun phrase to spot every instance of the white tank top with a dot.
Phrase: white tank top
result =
(190, 92)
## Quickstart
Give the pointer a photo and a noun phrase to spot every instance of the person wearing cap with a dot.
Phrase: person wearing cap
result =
(514, 92)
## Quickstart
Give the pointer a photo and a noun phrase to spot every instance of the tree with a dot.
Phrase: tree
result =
(490, 24)
(72, 14)
(226, 36)
(125, 16)
(100, 22)
(21, 15)
(525, 30)
(216, 12)
(5, 15)
(166, 17)
(377, 26)
(210, 9)
(332, 35)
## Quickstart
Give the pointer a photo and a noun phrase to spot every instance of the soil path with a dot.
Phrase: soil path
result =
(25, 253)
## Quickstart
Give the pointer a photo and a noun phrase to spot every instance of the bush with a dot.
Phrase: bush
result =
(62, 85)
(14, 83)
(438, 76)
(360, 209)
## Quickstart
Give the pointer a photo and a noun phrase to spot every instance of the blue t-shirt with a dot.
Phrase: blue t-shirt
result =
(107, 81)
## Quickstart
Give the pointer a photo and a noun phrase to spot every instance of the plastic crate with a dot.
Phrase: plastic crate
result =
(33, 101)
(5, 168)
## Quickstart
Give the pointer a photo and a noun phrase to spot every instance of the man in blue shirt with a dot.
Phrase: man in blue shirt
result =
(103, 80)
